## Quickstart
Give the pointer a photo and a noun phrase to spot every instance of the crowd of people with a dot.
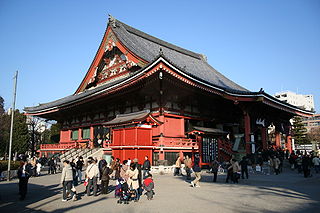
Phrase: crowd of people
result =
(304, 162)
(131, 178)
(266, 162)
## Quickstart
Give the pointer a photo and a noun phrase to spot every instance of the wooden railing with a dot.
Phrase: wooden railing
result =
(58, 146)
(175, 142)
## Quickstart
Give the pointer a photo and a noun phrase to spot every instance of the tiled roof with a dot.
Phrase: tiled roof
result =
(194, 64)
(150, 49)
(130, 118)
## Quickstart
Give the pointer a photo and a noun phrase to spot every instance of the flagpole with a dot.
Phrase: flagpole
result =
(12, 116)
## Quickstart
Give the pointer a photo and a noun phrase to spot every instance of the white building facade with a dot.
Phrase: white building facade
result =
(303, 101)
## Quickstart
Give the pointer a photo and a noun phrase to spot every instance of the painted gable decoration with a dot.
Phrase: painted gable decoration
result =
(113, 65)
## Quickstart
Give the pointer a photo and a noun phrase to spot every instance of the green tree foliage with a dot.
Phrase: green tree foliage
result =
(299, 131)
(20, 135)
(1, 105)
(55, 133)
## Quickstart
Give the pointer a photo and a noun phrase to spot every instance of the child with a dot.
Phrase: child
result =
(38, 169)
(148, 185)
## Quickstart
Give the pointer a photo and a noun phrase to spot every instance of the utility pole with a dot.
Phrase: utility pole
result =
(12, 116)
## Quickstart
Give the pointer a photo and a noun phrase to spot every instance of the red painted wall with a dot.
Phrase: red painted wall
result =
(174, 127)
(65, 135)
(132, 137)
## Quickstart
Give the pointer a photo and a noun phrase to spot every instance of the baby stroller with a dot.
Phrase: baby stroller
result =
(122, 191)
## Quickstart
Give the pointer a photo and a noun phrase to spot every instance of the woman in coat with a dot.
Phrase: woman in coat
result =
(123, 170)
(105, 172)
(133, 180)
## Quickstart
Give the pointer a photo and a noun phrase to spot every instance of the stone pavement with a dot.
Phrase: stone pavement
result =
(287, 192)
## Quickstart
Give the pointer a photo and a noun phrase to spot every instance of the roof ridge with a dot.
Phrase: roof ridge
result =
(159, 41)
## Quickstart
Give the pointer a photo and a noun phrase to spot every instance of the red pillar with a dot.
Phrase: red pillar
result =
(278, 138)
(289, 143)
(264, 137)
(161, 142)
(247, 131)
(91, 133)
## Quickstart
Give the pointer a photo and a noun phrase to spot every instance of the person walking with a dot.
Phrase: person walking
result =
(197, 171)
(74, 172)
(66, 180)
(244, 167)
(105, 172)
(39, 168)
(316, 163)
(188, 166)
(79, 166)
(133, 180)
(177, 167)
(215, 166)
(51, 166)
(146, 167)
(235, 169)
(92, 173)
(24, 173)
(276, 165)
(229, 171)
(306, 166)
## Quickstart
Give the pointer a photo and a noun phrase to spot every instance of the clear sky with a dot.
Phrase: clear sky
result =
(270, 44)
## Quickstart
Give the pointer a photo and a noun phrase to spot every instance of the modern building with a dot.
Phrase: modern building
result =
(302, 101)
(312, 122)
(144, 96)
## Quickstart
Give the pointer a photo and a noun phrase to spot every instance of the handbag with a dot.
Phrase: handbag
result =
(85, 182)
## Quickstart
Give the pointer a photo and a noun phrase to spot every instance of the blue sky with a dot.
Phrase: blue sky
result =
(270, 44)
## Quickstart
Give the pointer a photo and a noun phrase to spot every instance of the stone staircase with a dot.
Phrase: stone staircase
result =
(85, 153)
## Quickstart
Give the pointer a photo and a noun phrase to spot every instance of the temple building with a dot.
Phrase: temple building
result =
(144, 96)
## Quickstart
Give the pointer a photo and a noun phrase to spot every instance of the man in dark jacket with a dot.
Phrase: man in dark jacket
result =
(306, 166)
(105, 172)
(51, 166)
(79, 166)
(24, 172)
(244, 167)
(215, 166)
(146, 167)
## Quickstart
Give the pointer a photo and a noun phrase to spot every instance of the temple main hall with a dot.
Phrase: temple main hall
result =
(143, 96)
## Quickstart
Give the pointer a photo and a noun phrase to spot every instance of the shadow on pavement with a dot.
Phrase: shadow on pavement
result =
(289, 185)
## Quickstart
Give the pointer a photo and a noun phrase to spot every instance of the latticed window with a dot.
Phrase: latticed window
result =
(75, 134)
(86, 133)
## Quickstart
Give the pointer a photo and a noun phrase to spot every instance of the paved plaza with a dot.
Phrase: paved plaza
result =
(287, 192)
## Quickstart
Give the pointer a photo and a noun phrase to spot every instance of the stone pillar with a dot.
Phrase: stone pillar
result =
(247, 131)
(278, 139)
(264, 138)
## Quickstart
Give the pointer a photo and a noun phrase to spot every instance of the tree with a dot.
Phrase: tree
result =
(1, 106)
(20, 135)
(299, 131)
(37, 133)
(314, 134)
(55, 133)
